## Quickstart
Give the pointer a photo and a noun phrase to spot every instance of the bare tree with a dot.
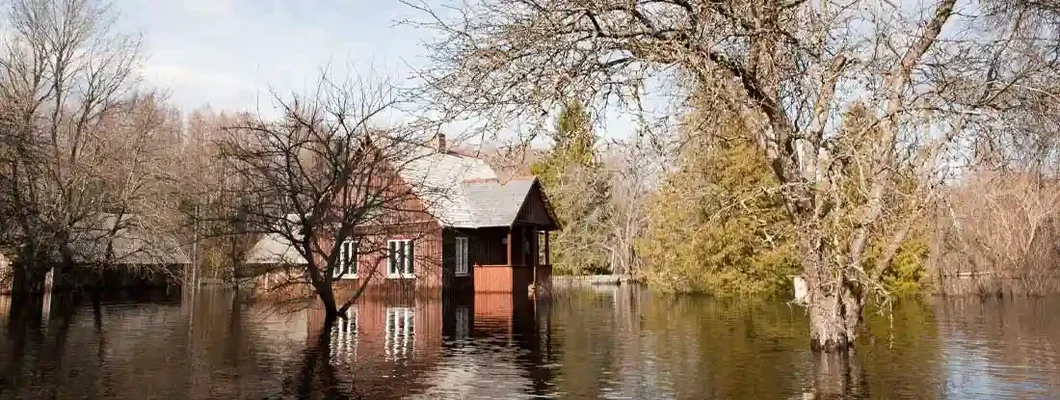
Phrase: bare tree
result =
(323, 175)
(634, 170)
(64, 73)
(932, 73)
(999, 234)
(207, 188)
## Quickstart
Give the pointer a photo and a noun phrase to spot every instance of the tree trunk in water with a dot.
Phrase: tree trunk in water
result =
(28, 281)
(834, 301)
(327, 297)
(30, 271)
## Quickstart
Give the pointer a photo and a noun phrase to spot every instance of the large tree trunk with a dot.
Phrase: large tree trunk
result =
(834, 300)
(30, 271)
(327, 297)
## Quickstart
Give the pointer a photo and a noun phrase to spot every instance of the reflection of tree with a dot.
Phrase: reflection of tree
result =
(316, 378)
(718, 348)
(642, 345)
(997, 347)
(901, 353)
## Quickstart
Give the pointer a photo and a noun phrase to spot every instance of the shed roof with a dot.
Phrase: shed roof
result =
(133, 242)
(274, 249)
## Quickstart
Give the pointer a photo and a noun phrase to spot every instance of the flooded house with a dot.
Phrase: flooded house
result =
(480, 234)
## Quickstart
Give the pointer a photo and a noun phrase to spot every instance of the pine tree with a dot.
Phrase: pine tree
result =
(717, 224)
(576, 184)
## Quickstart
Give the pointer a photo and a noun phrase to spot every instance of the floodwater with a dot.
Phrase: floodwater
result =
(586, 343)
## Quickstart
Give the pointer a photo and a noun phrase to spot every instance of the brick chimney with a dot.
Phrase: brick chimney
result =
(439, 143)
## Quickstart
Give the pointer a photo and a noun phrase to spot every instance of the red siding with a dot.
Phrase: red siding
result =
(404, 217)
(493, 279)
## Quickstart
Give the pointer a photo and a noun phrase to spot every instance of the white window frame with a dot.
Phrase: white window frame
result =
(347, 249)
(462, 261)
(400, 332)
(405, 258)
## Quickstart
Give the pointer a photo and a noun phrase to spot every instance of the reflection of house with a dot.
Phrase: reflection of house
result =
(463, 230)
(398, 347)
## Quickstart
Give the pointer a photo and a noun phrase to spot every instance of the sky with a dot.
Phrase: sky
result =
(228, 53)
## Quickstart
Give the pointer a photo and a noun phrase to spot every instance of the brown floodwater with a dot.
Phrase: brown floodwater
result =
(608, 342)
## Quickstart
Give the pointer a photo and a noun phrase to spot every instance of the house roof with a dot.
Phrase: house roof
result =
(496, 204)
(133, 242)
(463, 191)
(274, 249)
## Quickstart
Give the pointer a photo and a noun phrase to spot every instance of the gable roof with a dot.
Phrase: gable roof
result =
(463, 191)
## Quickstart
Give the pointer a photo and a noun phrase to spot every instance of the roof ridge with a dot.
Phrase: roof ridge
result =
(522, 178)
(481, 180)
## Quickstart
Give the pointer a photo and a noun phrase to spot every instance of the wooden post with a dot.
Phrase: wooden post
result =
(525, 244)
(548, 251)
(510, 245)
(532, 257)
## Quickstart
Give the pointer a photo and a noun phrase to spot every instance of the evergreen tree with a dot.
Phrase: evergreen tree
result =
(576, 184)
(717, 224)
(906, 269)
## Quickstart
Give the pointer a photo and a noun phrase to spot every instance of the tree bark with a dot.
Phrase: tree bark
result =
(327, 298)
(29, 273)
(834, 300)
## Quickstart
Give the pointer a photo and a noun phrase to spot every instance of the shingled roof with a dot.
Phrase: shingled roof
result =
(495, 204)
(463, 191)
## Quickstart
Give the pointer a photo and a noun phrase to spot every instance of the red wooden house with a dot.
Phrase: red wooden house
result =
(463, 230)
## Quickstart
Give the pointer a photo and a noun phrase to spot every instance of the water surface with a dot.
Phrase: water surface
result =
(591, 343)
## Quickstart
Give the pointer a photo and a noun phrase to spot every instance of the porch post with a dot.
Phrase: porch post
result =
(548, 250)
(524, 243)
(510, 245)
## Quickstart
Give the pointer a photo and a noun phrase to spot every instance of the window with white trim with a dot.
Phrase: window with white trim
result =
(399, 264)
(347, 268)
(400, 332)
(461, 256)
